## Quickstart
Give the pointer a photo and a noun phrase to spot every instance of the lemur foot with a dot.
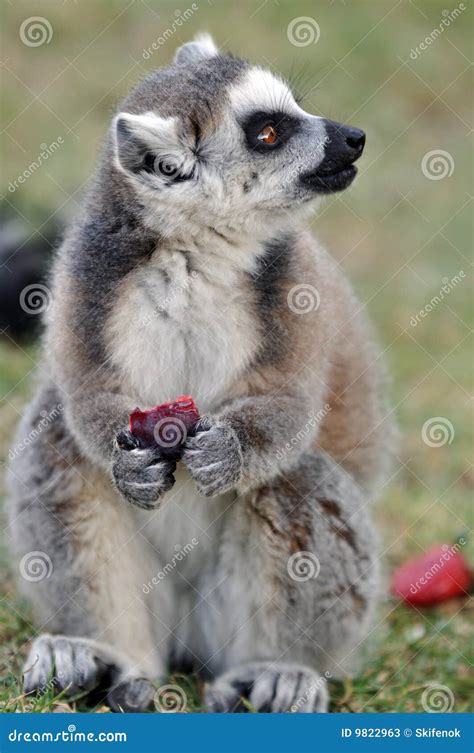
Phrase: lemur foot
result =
(268, 688)
(76, 666)
(62, 664)
(131, 695)
(142, 476)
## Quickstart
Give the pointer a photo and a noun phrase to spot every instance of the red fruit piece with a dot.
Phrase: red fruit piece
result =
(436, 576)
(166, 425)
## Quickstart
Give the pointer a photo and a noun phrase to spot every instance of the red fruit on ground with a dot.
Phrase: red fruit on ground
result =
(440, 574)
(166, 425)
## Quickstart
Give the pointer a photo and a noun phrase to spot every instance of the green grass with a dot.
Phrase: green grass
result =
(396, 233)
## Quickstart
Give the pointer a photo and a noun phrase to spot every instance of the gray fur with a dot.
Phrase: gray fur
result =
(180, 283)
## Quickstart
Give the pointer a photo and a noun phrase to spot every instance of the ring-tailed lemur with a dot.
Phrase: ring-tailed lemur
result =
(188, 272)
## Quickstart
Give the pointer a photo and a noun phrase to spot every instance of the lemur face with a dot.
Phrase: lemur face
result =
(214, 141)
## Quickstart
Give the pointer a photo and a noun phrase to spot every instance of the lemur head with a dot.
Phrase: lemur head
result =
(214, 141)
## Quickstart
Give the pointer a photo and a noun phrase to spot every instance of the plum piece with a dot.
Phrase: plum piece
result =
(165, 426)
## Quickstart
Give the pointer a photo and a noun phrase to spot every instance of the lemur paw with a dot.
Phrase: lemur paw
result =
(75, 666)
(63, 665)
(268, 688)
(213, 457)
(141, 475)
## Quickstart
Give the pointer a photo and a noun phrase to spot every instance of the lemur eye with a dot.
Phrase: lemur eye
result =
(268, 135)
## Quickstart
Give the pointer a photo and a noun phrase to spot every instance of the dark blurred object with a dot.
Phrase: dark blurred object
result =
(25, 258)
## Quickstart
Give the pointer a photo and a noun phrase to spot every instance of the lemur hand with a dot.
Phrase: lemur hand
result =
(213, 456)
(141, 475)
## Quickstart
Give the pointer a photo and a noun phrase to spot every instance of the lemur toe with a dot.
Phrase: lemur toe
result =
(62, 664)
(38, 666)
(131, 695)
(223, 698)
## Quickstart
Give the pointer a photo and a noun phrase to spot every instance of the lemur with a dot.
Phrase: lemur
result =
(187, 272)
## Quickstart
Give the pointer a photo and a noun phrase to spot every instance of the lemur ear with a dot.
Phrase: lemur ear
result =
(138, 137)
(201, 47)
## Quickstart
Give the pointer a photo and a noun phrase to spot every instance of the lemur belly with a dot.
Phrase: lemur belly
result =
(191, 559)
(175, 330)
(183, 518)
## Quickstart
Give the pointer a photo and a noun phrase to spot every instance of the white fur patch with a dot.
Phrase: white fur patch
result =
(262, 90)
(182, 330)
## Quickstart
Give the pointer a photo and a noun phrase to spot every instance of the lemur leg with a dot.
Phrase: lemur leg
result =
(307, 555)
(82, 564)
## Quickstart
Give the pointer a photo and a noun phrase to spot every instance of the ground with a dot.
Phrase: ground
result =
(399, 232)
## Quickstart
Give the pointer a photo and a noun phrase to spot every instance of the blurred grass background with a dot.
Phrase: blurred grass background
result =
(396, 232)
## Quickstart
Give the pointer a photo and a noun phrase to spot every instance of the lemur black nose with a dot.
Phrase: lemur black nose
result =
(355, 138)
(343, 146)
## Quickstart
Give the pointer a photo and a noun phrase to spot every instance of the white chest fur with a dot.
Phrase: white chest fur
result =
(183, 324)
